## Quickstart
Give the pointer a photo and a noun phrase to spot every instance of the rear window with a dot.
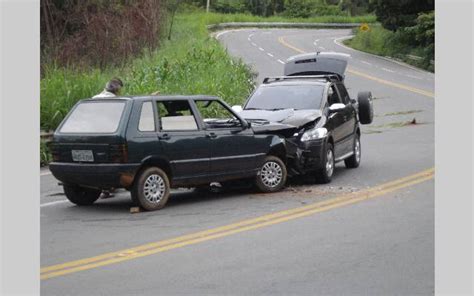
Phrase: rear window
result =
(276, 97)
(94, 117)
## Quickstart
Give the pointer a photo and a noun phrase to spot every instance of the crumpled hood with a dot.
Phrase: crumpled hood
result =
(293, 117)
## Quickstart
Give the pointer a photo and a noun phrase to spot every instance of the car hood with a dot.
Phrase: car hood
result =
(296, 118)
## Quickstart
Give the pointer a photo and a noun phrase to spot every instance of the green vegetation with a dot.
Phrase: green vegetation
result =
(407, 32)
(215, 18)
(411, 41)
(190, 63)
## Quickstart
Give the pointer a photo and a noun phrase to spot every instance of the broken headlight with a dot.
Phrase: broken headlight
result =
(314, 134)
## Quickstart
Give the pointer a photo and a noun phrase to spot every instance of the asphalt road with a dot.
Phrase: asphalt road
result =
(351, 237)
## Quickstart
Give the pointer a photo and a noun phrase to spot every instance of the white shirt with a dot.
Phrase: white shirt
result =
(104, 94)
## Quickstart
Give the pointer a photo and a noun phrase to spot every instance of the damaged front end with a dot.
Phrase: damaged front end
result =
(302, 155)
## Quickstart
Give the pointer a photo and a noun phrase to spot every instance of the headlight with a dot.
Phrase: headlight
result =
(313, 134)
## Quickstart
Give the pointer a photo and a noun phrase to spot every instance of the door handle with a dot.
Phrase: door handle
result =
(211, 135)
(164, 137)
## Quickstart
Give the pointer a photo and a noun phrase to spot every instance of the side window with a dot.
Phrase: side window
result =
(343, 92)
(333, 97)
(215, 115)
(176, 116)
(147, 119)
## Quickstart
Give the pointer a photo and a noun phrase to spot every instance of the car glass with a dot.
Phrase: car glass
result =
(94, 117)
(176, 116)
(215, 115)
(333, 97)
(147, 119)
(343, 93)
(287, 97)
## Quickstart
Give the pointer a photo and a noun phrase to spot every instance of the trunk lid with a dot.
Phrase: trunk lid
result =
(317, 63)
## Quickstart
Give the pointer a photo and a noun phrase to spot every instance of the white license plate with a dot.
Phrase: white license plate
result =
(82, 155)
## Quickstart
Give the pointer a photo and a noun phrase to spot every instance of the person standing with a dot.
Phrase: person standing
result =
(112, 89)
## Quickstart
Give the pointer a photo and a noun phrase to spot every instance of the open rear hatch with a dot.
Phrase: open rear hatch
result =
(317, 63)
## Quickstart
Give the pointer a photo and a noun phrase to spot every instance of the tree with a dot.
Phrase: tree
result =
(393, 14)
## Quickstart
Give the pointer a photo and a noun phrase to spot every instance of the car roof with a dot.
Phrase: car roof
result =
(159, 98)
(302, 81)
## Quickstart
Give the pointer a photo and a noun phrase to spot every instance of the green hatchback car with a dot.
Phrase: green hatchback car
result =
(150, 144)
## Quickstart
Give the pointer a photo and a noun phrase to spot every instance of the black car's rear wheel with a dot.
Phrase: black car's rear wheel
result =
(81, 196)
(324, 175)
(151, 189)
(354, 160)
(272, 175)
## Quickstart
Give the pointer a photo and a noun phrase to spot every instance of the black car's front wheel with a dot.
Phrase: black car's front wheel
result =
(354, 160)
(151, 189)
(272, 175)
(81, 196)
(324, 175)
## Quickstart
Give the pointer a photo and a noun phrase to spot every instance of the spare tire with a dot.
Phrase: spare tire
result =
(366, 110)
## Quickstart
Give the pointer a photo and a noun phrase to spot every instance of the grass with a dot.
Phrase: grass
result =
(380, 41)
(190, 63)
(216, 18)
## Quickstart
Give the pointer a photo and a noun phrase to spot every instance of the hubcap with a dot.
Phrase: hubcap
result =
(329, 163)
(271, 174)
(154, 188)
(357, 150)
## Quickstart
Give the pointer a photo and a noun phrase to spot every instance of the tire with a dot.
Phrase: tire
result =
(151, 189)
(324, 175)
(366, 110)
(81, 196)
(354, 161)
(272, 175)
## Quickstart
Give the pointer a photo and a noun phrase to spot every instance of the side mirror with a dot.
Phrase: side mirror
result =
(237, 108)
(336, 107)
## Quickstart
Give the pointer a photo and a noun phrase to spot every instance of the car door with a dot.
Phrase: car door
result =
(184, 142)
(336, 121)
(349, 117)
(234, 150)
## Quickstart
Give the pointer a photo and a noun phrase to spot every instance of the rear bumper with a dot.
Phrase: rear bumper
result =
(95, 175)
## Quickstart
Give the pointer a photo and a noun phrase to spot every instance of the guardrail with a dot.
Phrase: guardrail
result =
(235, 25)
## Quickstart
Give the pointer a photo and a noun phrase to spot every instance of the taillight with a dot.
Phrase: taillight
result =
(53, 149)
(118, 153)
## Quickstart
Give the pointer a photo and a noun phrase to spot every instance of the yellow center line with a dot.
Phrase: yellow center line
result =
(226, 230)
(367, 76)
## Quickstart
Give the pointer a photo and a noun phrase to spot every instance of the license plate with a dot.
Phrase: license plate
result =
(82, 155)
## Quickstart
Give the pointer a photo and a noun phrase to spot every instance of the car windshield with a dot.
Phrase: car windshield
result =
(94, 117)
(277, 97)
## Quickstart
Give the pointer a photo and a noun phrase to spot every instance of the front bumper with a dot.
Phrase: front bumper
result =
(95, 175)
(307, 156)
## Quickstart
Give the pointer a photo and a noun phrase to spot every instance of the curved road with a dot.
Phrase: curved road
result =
(369, 232)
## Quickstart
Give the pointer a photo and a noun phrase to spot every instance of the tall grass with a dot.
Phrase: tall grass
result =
(190, 63)
(383, 42)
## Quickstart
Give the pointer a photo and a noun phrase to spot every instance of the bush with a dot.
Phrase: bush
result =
(302, 8)
(399, 44)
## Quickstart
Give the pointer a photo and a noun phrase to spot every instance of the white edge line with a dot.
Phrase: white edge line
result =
(337, 42)
(45, 173)
(47, 204)
(367, 63)
(388, 70)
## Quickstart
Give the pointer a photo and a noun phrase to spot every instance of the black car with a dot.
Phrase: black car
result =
(152, 143)
(312, 98)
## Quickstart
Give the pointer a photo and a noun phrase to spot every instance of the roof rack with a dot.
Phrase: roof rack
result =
(328, 78)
